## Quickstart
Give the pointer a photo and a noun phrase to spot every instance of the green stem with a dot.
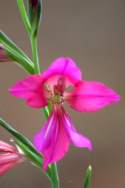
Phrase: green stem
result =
(55, 179)
(34, 45)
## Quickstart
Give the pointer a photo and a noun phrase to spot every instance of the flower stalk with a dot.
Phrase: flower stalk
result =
(34, 45)
(53, 168)
(31, 20)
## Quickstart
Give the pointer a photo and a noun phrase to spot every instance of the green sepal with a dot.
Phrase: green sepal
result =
(16, 54)
(88, 177)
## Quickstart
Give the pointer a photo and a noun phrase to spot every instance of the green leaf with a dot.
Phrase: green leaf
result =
(26, 146)
(88, 177)
(16, 54)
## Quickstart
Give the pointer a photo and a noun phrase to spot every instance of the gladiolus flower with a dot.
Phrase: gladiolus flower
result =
(62, 82)
(9, 157)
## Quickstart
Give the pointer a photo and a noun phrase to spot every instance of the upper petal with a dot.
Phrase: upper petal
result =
(91, 96)
(52, 141)
(63, 66)
(32, 90)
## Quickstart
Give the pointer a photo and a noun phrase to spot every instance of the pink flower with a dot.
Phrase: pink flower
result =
(62, 82)
(9, 157)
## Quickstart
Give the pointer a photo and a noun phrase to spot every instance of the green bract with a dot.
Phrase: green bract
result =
(88, 177)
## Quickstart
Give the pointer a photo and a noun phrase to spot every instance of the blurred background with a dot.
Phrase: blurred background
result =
(93, 34)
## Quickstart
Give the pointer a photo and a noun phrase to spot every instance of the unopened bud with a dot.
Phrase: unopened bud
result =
(3, 55)
(35, 11)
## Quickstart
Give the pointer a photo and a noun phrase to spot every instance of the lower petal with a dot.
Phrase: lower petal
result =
(52, 141)
(76, 138)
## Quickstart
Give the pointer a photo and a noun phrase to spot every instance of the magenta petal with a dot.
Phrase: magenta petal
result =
(63, 66)
(76, 138)
(52, 141)
(91, 96)
(54, 138)
(31, 89)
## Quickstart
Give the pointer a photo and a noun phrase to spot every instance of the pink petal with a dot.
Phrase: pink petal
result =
(9, 160)
(6, 167)
(31, 89)
(9, 157)
(4, 147)
(63, 67)
(52, 141)
(91, 96)
(76, 138)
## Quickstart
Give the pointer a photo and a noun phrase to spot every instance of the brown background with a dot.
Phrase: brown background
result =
(93, 33)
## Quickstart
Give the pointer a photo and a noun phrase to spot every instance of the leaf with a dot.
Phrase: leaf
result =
(16, 54)
(88, 177)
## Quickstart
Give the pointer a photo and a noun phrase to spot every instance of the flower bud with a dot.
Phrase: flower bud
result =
(3, 54)
(35, 7)
(9, 157)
